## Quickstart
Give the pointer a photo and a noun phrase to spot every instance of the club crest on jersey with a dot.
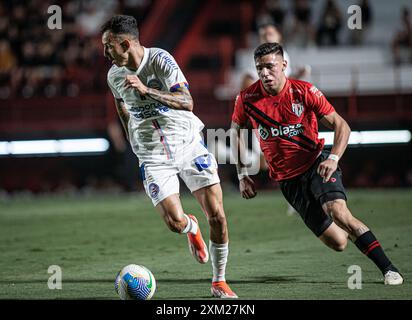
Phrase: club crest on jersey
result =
(155, 84)
(297, 108)
(153, 190)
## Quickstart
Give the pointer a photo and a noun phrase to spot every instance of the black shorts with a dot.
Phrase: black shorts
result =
(307, 193)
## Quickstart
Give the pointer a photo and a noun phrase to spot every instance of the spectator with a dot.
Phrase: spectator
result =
(402, 43)
(330, 24)
(272, 13)
(303, 34)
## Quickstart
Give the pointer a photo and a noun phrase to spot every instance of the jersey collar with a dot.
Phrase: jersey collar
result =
(144, 60)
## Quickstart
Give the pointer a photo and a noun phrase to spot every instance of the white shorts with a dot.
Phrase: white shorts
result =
(196, 167)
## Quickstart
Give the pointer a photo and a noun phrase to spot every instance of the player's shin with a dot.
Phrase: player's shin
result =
(370, 246)
(218, 255)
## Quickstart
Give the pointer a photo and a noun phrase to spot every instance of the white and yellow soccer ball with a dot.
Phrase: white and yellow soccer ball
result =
(135, 282)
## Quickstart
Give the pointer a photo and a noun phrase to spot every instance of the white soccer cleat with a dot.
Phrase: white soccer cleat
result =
(393, 278)
(197, 245)
(222, 290)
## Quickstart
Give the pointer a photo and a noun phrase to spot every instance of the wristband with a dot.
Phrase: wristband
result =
(333, 157)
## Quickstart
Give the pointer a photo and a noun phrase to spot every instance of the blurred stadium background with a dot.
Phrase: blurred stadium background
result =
(53, 82)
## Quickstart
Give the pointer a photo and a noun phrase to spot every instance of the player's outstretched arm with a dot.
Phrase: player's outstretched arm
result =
(123, 115)
(246, 184)
(340, 141)
(179, 100)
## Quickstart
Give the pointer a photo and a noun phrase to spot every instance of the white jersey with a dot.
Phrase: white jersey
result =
(157, 133)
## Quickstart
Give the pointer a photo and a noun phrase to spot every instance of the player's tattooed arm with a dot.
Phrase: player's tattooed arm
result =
(123, 115)
(179, 100)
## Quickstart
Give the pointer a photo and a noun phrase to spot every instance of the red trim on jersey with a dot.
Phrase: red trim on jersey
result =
(287, 124)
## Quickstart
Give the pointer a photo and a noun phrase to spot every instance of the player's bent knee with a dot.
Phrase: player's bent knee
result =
(217, 219)
(340, 246)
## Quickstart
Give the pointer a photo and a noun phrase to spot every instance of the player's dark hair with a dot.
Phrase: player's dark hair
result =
(268, 48)
(121, 24)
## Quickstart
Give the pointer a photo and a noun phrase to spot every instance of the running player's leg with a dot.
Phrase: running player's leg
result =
(332, 197)
(172, 212)
(335, 237)
(162, 186)
(199, 172)
(363, 238)
(211, 200)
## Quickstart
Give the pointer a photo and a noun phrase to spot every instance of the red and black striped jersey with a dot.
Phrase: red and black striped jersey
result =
(287, 124)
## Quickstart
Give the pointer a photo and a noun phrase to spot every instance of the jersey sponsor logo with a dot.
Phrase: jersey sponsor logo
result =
(263, 132)
(203, 162)
(251, 95)
(289, 131)
(297, 108)
(155, 84)
(153, 190)
(316, 91)
(148, 110)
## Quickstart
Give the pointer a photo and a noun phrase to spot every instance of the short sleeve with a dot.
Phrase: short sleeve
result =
(239, 116)
(113, 89)
(170, 72)
(318, 102)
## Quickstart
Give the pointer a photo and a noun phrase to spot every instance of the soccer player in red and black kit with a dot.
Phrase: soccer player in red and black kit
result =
(285, 113)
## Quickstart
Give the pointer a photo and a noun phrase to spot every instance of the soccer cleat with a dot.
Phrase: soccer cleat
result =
(393, 278)
(197, 245)
(221, 290)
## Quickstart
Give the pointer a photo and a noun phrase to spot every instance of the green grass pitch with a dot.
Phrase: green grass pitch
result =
(272, 255)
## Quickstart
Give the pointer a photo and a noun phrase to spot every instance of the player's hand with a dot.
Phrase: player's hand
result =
(247, 188)
(327, 168)
(133, 81)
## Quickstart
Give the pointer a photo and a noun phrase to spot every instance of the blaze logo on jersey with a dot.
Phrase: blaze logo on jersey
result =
(290, 131)
(263, 132)
(153, 190)
(297, 108)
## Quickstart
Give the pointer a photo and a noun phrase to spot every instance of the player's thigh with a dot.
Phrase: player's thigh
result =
(210, 199)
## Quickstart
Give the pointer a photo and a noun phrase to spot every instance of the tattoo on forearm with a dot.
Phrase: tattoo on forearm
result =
(180, 100)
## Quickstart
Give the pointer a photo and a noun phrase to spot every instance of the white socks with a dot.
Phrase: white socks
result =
(191, 226)
(218, 255)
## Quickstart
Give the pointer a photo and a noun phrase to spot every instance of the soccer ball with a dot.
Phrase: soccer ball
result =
(135, 282)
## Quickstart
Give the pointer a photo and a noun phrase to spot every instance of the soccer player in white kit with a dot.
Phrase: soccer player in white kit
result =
(155, 106)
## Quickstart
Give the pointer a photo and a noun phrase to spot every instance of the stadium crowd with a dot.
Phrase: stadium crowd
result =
(37, 61)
